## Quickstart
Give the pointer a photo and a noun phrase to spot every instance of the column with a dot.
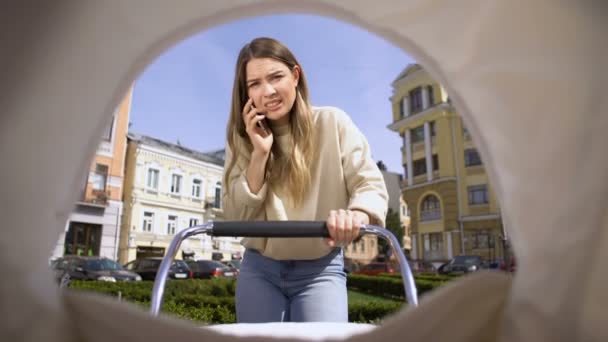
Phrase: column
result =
(408, 157)
(414, 251)
(405, 108)
(426, 245)
(448, 239)
(425, 97)
(427, 150)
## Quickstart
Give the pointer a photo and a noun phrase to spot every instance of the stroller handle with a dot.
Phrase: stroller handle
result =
(270, 229)
(284, 229)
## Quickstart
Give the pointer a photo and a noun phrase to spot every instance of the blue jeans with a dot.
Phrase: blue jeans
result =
(271, 290)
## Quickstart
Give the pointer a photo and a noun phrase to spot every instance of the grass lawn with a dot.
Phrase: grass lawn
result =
(355, 297)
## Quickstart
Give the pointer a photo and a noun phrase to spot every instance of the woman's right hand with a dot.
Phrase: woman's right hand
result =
(255, 126)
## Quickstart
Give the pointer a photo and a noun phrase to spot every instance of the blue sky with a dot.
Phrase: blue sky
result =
(185, 94)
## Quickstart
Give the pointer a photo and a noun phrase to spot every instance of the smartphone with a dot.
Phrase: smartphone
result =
(259, 123)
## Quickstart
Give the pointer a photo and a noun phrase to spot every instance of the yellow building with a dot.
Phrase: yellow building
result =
(169, 187)
(363, 251)
(453, 210)
(93, 226)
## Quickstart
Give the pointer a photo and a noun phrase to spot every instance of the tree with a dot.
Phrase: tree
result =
(393, 224)
(381, 165)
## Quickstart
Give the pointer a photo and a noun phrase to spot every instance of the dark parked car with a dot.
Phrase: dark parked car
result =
(235, 265)
(376, 268)
(421, 266)
(207, 269)
(463, 264)
(147, 268)
(91, 268)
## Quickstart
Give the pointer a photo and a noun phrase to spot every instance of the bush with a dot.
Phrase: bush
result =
(388, 286)
(371, 312)
(211, 301)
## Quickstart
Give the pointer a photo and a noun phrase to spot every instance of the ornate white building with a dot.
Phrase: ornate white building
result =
(169, 187)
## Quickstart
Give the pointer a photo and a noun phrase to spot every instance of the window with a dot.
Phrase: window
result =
(148, 222)
(434, 242)
(193, 222)
(405, 210)
(416, 100)
(100, 177)
(435, 162)
(430, 209)
(405, 170)
(483, 239)
(196, 188)
(471, 157)
(171, 224)
(218, 195)
(107, 133)
(417, 134)
(431, 95)
(152, 179)
(465, 132)
(176, 183)
(419, 167)
(478, 194)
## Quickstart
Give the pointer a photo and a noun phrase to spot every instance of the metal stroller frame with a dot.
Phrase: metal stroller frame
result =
(297, 229)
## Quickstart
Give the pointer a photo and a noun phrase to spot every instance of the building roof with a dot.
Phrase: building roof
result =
(409, 69)
(213, 157)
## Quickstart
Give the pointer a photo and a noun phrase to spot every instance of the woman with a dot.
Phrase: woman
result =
(286, 160)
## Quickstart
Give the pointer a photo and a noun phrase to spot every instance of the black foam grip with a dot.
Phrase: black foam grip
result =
(290, 229)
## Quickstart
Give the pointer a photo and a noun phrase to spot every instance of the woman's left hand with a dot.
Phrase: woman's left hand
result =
(343, 226)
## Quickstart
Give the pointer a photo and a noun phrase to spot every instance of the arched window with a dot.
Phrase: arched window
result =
(430, 209)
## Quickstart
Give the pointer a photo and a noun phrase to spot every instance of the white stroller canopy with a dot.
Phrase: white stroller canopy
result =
(528, 77)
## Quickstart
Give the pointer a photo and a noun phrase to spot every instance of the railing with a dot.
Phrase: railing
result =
(423, 111)
(434, 255)
(430, 215)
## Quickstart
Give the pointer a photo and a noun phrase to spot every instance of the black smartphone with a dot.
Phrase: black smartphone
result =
(259, 123)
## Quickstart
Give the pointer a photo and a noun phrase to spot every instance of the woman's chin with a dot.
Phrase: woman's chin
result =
(276, 116)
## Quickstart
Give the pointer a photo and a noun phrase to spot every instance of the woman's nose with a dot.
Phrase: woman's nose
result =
(269, 89)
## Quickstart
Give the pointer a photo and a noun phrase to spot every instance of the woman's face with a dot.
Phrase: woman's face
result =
(272, 86)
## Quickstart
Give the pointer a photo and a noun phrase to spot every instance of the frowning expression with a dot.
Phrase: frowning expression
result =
(272, 86)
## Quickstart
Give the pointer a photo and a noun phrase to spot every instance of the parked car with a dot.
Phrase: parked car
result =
(512, 268)
(376, 268)
(207, 269)
(422, 266)
(147, 268)
(463, 264)
(91, 268)
(235, 265)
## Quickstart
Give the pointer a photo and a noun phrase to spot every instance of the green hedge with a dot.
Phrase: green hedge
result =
(210, 301)
(425, 276)
(389, 286)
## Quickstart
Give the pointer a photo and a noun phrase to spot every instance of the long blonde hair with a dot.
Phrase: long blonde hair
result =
(291, 168)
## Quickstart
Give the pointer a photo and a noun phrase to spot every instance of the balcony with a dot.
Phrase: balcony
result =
(434, 254)
(407, 243)
(400, 124)
(98, 198)
(430, 215)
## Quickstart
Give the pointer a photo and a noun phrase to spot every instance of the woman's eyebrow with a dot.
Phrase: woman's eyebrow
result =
(272, 73)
